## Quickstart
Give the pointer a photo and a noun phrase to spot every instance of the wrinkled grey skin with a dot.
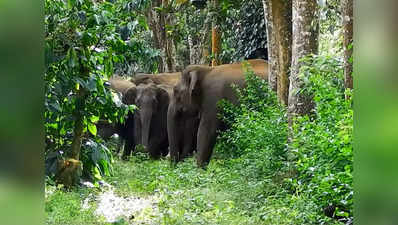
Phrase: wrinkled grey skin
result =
(196, 96)
(150, 120)
(182, 127)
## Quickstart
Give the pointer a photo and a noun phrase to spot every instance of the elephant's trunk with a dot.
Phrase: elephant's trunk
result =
(146, 117)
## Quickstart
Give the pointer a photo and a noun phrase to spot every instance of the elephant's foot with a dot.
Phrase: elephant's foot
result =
(125, 157)
(165, 152)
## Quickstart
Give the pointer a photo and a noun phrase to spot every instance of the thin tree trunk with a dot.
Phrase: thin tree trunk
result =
(78, 131)
(281, 16)
(279, 42)
(194, 50)
(215, 40)
(158, 22)
(170, 45)
(305, 42)
(272, 46)
(198, 45)
(347, 9)
(204, 43)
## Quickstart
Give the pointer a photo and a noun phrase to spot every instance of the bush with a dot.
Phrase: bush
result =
(317, 165)
(323, 143)
(257, 126)
(97, 160)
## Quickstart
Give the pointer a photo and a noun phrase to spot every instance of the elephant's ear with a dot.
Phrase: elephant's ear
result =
(193, 83)
(129, 96)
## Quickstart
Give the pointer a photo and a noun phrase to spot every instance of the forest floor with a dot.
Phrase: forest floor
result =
(143, 191)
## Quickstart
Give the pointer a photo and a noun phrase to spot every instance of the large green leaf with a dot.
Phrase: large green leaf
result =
(92, 128)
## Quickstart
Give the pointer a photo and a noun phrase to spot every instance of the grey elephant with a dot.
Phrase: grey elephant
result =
(194, 100)
(150, 120)
(151, 94)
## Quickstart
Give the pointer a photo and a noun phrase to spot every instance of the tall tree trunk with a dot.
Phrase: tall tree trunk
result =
(198, 45)
(194, 49)
(158, 21)
(215, 40)
(347, 9)
(272, 46)
(78, 131)
(305, 42)
(278, 14)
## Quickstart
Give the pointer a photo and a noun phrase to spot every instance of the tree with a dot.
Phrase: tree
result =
(85, 41)
(305, 43)
(215, 39)
(347, 9)
(160, 19)
(198, 35)
(279, 30)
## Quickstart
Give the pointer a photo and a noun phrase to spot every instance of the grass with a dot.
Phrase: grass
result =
(66, 207)
(221, 194)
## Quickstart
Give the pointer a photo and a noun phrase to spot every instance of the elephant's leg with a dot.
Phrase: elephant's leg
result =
(165, 152)
(174, 137)
(186, 152)
(155, 148)
(120, 145)
(128, 148)
(189, 144)
(206, 138)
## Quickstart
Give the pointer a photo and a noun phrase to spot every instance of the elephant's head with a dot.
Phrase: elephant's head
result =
(152, 101)
(183, 113)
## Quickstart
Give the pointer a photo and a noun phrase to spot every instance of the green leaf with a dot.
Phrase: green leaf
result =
(132, 108)
(94, 119)
(97, 173)
(71, 3)
(72, 58)
(92, 128)
(91, 84)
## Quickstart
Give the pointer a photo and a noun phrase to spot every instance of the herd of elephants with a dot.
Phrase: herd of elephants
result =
(177, 112)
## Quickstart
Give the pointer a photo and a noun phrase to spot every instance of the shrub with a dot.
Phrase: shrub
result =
(257, 126)
(323, 143)
(97, 160)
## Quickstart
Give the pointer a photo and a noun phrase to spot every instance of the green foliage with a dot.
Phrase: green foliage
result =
(330, 16)
(318, 163)
(85, 43)
(323, 144)
(97, 160)
(243, 28)
(258, 128)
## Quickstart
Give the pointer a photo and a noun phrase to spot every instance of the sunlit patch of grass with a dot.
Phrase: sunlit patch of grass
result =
(220, 194)
(66, 207)
(228, 191)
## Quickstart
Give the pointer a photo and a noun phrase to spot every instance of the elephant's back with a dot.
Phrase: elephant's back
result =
(161, 78)
(218, 83)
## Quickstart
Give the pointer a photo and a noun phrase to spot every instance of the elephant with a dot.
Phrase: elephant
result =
(194, 100)
(182, 127)
(150, 120)
(170, 79)
(126, 132)
(151, 93)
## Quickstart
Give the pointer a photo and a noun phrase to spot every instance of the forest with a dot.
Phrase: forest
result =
(198, 112)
